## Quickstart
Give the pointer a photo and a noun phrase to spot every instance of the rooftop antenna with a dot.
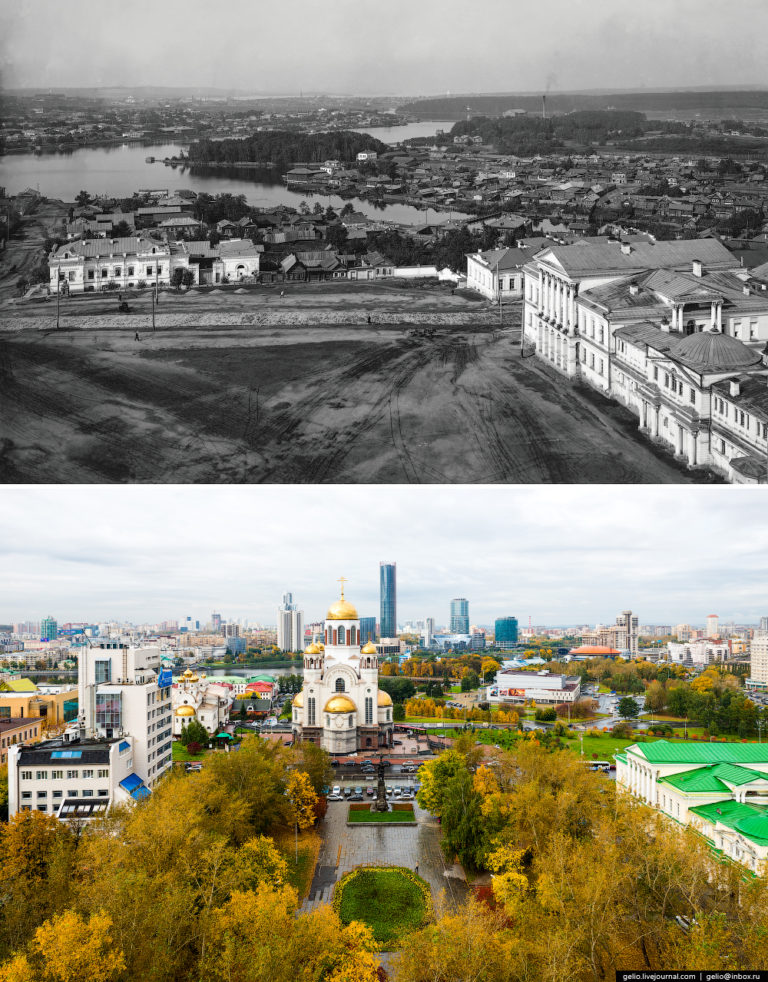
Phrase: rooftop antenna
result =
(544, 107)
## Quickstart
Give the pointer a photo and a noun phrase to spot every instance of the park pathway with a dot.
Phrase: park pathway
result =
(345, 848)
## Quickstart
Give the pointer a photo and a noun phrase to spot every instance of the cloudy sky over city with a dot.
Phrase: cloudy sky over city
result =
(561, 555)
(362, 47)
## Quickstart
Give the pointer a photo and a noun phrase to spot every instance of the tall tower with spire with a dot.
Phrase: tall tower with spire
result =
(340, 706)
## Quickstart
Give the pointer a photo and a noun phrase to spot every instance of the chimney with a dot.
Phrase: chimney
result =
(665, 325)
(626, 248)
(745, 290)
(735, 387)
(634, 289)
(698, 269)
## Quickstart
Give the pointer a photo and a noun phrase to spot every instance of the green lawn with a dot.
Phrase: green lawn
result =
(180, 754)
(387, 900)
(300, 874)
(365, 815)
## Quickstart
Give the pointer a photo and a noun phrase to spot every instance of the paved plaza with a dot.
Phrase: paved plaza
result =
(345, 848)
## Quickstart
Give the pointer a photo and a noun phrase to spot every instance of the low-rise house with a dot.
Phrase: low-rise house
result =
(230, 260)
(498, 273)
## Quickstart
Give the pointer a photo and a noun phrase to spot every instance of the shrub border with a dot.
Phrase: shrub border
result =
(407, 872)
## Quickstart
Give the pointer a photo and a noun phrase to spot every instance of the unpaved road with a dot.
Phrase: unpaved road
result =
(310, 397)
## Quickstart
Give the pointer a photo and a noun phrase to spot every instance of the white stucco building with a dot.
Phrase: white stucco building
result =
(109, 264)
(340, 706)
(497, 273)
(669, 329)
(719, 788)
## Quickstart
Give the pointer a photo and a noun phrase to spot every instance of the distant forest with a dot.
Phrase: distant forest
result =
(283, 148)
(455, 107)
(527, 135)
(532, 134)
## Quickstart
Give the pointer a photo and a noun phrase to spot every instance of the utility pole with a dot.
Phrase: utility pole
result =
(153, 310)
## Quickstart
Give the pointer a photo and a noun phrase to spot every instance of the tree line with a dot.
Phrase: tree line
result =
(282, 148)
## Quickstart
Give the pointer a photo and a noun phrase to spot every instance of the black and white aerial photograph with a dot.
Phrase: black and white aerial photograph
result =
(420, 243)
(383, 461)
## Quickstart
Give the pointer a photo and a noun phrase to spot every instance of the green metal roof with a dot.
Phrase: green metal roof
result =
(621, 757)
(751, 822)
(665, 752)
(701, 780)
(712, 777)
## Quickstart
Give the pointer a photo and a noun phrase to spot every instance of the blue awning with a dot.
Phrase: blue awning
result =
(140, 793)
(131, 782)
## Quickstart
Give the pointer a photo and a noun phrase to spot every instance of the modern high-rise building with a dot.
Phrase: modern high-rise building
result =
(764, 624)
(505, 631)
(49, 629)
(758, 661)
(290, 625)
(215, 622)
(367, 629)
(388, 600)
(627, 629)
(459, 616)
(713, 626)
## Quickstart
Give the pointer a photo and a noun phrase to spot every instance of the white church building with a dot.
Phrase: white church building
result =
(340, 706)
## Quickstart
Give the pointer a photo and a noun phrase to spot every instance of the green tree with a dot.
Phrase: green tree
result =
(194, 732)
(628, 707)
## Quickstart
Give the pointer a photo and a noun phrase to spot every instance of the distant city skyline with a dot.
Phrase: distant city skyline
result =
(425, 48)
(561, 555)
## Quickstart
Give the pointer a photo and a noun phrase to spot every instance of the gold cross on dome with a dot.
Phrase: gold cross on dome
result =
(342, 580)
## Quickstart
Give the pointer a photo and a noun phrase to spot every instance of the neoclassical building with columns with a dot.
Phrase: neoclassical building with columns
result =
(340, 706)
(673, 330)
(721, 789)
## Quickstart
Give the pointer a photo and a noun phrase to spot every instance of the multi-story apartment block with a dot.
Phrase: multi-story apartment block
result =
(119, 746)
(669, 329)
(758, 662)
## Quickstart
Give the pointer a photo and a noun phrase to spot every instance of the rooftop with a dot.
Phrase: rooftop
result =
(664, 752)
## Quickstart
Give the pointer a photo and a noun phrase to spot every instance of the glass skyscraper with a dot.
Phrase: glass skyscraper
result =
(367, 629)
(460, 616)
(506, 632)
(49, 629)
(388, 599)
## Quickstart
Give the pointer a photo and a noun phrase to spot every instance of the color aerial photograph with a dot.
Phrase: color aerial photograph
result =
(383, 474)
(370, 734)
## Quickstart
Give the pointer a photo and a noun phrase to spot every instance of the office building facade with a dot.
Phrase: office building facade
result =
(459, 616)
(388, 600)
(505, 632)
(49, 629)
(367, 629)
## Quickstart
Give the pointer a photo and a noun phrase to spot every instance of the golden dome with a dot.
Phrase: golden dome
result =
(194, 678)
(342, 610)
(369, 649)
(185, 711)
(384, 698)
(340, 704)
(320, 645)
(312, 650)
(187, 674)
(298, 700)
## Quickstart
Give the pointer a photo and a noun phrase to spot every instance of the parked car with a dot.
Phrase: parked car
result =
(335, 797)
(336, 790)
(347, 792)
(359, 791)
(355, 797)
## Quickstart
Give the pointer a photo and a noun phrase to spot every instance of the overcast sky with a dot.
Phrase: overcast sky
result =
(398, 47)
(563, 555)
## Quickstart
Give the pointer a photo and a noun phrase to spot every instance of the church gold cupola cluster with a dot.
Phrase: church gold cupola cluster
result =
(340, 706)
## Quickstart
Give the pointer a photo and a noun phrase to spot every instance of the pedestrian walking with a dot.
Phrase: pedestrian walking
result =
(369, 318)
(417, 869)
(137, 336)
